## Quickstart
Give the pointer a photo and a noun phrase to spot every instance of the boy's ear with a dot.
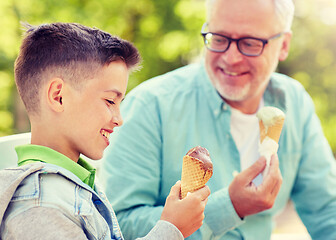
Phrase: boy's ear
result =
(55, 90)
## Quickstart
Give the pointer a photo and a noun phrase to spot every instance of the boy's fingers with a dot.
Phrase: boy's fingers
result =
(175, 190)
(204, 192)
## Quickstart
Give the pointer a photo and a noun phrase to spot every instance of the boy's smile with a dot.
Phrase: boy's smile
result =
(106, 134)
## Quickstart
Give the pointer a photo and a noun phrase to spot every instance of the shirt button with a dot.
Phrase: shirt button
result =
(235, 173)
(224, 107)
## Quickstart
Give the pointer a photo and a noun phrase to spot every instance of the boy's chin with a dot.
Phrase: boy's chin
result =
(94, 157)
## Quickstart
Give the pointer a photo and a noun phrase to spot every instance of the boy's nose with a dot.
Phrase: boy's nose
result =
(117, 120)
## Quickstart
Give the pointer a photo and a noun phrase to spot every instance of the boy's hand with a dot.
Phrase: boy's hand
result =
(186, 214)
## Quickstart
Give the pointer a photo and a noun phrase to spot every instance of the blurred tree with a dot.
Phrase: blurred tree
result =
(312, 58)
(167, 34)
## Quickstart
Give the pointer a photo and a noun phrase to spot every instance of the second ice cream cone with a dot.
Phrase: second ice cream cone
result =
(272, 131)
(271, 120)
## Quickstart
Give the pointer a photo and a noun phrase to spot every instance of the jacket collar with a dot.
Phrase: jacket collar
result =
(29, 153)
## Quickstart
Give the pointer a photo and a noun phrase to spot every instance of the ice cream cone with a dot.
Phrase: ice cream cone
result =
(194, 175)
(272, 131)
(271, 120)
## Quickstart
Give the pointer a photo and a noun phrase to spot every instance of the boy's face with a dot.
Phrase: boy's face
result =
(91, 113)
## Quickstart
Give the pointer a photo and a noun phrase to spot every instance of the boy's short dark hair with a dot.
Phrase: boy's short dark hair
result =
(70, 51)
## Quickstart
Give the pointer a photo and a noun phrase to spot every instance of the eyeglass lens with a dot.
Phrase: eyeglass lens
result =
(247, 46)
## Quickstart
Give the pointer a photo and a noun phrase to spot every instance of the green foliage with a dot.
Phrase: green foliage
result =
(167, 34)
(312, 58)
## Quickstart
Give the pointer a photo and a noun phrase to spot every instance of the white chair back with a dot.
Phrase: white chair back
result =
(8, 157)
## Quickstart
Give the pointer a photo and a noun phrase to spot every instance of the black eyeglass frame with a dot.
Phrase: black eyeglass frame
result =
(264, 41)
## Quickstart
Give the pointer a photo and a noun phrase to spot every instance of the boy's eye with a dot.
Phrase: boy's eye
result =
(110, 102)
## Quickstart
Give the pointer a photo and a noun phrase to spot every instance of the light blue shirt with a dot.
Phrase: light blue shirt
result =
(166, 116)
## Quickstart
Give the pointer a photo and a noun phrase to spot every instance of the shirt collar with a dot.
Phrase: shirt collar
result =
(275, 93)
(35, 153)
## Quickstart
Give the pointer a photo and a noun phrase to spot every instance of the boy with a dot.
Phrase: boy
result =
(72, 80)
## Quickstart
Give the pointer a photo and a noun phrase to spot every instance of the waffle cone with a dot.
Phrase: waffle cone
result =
(194, 175)
(272, 132)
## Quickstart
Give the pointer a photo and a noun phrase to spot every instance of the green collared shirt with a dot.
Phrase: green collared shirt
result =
(30, 153)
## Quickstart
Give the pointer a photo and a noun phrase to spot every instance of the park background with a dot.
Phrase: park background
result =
(167, 33)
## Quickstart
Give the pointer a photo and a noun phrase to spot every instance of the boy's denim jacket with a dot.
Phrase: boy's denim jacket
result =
(51, 201)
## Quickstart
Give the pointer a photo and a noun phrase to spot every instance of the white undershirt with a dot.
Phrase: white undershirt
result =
(245, 133)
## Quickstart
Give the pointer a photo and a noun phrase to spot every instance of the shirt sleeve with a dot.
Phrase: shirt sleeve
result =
(220, 215)
(163, 230)
(314, 192)
(43, 223)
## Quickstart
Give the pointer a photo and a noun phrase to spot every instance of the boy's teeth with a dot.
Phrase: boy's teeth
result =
(105, 134)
